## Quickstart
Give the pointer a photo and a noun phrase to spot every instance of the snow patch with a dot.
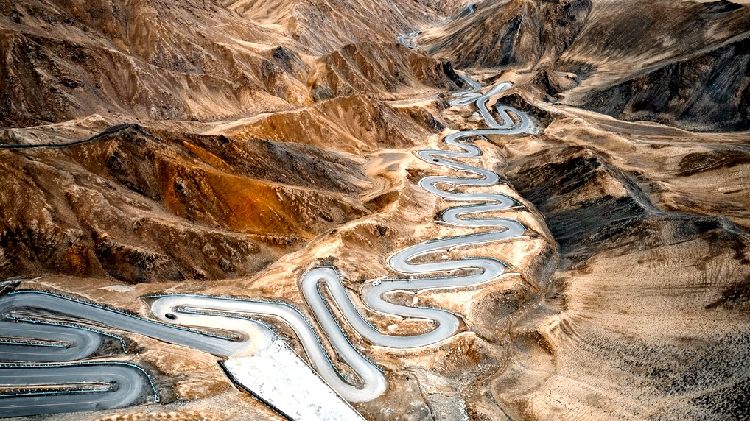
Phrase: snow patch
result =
(279, 377)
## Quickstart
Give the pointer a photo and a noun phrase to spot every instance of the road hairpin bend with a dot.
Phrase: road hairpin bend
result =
(33, 352)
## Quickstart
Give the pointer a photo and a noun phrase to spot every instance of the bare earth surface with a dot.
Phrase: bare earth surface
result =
(228, 148)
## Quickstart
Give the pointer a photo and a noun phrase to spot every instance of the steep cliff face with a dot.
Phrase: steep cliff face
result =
(518, 33)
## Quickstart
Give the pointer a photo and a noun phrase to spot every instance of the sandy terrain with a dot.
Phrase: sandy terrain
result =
(234, 145)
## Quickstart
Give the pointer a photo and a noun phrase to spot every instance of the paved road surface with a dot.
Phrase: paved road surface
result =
(487, 269)
(123, 385)
(177, 312)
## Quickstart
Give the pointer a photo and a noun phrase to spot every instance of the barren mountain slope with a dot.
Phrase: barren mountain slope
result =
(621, 37)
(647, 315)
(143, 59)
(150, 60)
(262, 182)
(355, 124)
(680, 62)
(705, 91)
(143, 207)
(379, 69)
(518, 33)
(326, 25)
(228, 147)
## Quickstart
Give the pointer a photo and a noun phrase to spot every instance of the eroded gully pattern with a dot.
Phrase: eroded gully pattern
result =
(236, 315)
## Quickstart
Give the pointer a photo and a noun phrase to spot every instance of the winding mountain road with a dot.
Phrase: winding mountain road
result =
(405, 40)
(45, 388)
(179, 314)
(446, 323)
(123, 385)
(46, 343)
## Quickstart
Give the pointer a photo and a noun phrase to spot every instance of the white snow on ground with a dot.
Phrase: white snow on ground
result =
(279, 377)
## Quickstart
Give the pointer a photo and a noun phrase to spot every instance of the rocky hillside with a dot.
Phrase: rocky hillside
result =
(627, 36)
(150, 60)
(145, 59)
(648, 61)
(355, 124)
(142, 206)
(709, 90)
(678, 62)
(510, 33)
(378, 69)
(246, 197)
(647, 316)
(327, 25)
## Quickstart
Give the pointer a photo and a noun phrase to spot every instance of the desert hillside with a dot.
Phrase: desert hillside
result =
(511, 210)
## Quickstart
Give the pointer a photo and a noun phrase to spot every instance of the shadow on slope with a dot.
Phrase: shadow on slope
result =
(139, 206)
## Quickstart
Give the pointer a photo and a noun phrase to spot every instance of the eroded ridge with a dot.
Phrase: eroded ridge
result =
(68, 343)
